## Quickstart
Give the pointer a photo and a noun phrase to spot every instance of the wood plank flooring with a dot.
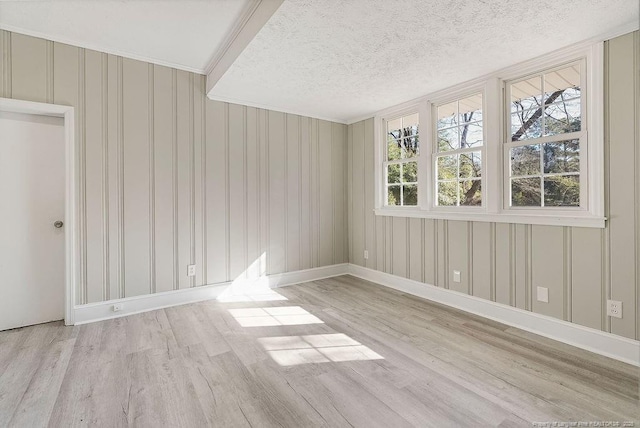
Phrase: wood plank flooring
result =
(338, 352)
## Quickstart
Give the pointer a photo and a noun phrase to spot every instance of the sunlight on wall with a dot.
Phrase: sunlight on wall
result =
(252, 285)
(269, 317)
(317, 348)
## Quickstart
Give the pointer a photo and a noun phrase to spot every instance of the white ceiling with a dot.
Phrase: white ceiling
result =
(335, 59)
(183, 34)
(344, 60)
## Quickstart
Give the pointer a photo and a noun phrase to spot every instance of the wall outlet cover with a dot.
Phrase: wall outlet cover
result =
(366, 254)
(456, 276)
(614, 308)
(191, 270)
(118, 307)
(543, 294)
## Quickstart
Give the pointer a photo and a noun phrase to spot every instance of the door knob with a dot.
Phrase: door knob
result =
(58, 224)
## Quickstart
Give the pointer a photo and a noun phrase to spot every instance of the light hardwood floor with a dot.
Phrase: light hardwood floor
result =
(338, 352)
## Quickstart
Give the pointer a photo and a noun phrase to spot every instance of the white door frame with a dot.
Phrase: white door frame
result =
(71, 231)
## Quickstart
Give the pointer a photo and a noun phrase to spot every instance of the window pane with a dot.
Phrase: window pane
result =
(562, 191)
(562, 100)
(410, 130)
(565, 81)
(471, 165)
(447, 167)
(393, 173)
(460, 127)
(447, 115)
(563, 156)
(394, 126)
(402, 137)
(448, 139)
(447, 193)
(410, 146)
(526, 94)
(471, 192)
(470, 108)
(410, 172)
(410, 194)
(393, 195)
(393, 149)
(411, 123)
(525, 160)
(471, 135)
(526, 124)
(525, 192)
(562, 117)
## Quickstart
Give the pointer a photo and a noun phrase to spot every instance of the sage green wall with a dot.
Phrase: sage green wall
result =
(169, 178)
(582, 267)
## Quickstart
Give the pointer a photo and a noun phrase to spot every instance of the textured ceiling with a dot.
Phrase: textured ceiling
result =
(184, 34)
(343, 60)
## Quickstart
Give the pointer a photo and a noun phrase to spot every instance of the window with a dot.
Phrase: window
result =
(401, 163)
(458, 159)
(521, 145)
(545, 136)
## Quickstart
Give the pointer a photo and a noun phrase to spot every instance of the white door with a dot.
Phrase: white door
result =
(32, 180)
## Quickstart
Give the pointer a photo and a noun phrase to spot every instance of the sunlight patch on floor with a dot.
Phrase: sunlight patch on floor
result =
(316, 348)
(276, 316)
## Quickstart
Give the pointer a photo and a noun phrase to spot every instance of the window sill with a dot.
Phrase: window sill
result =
(549, 220)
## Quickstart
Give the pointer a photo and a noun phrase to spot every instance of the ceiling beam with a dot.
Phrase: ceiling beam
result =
(254, 17)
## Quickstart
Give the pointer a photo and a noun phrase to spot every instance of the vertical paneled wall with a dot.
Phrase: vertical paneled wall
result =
(169, 178)
(581, 267)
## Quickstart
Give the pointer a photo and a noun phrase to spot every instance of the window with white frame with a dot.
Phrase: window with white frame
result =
(401, 160)
(545, 138)
(458, 157)
(522, 145)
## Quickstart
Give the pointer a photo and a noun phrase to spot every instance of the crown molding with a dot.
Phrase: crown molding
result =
(357, 119)
(273, 108)
(84, 45)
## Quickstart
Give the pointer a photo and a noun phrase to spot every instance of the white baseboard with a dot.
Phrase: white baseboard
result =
(99, 311)
(610, 345)
(306, 275)
(607, 344)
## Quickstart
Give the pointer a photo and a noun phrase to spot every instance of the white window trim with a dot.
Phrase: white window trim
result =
(384, 163)
(495, 207)
(379, 155)
(433, 105)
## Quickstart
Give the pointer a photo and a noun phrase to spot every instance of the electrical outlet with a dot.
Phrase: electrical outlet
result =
(456, 276)
(366, 254)
(614, 308)
(118, 307)
(543, 294)
(191, 270)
